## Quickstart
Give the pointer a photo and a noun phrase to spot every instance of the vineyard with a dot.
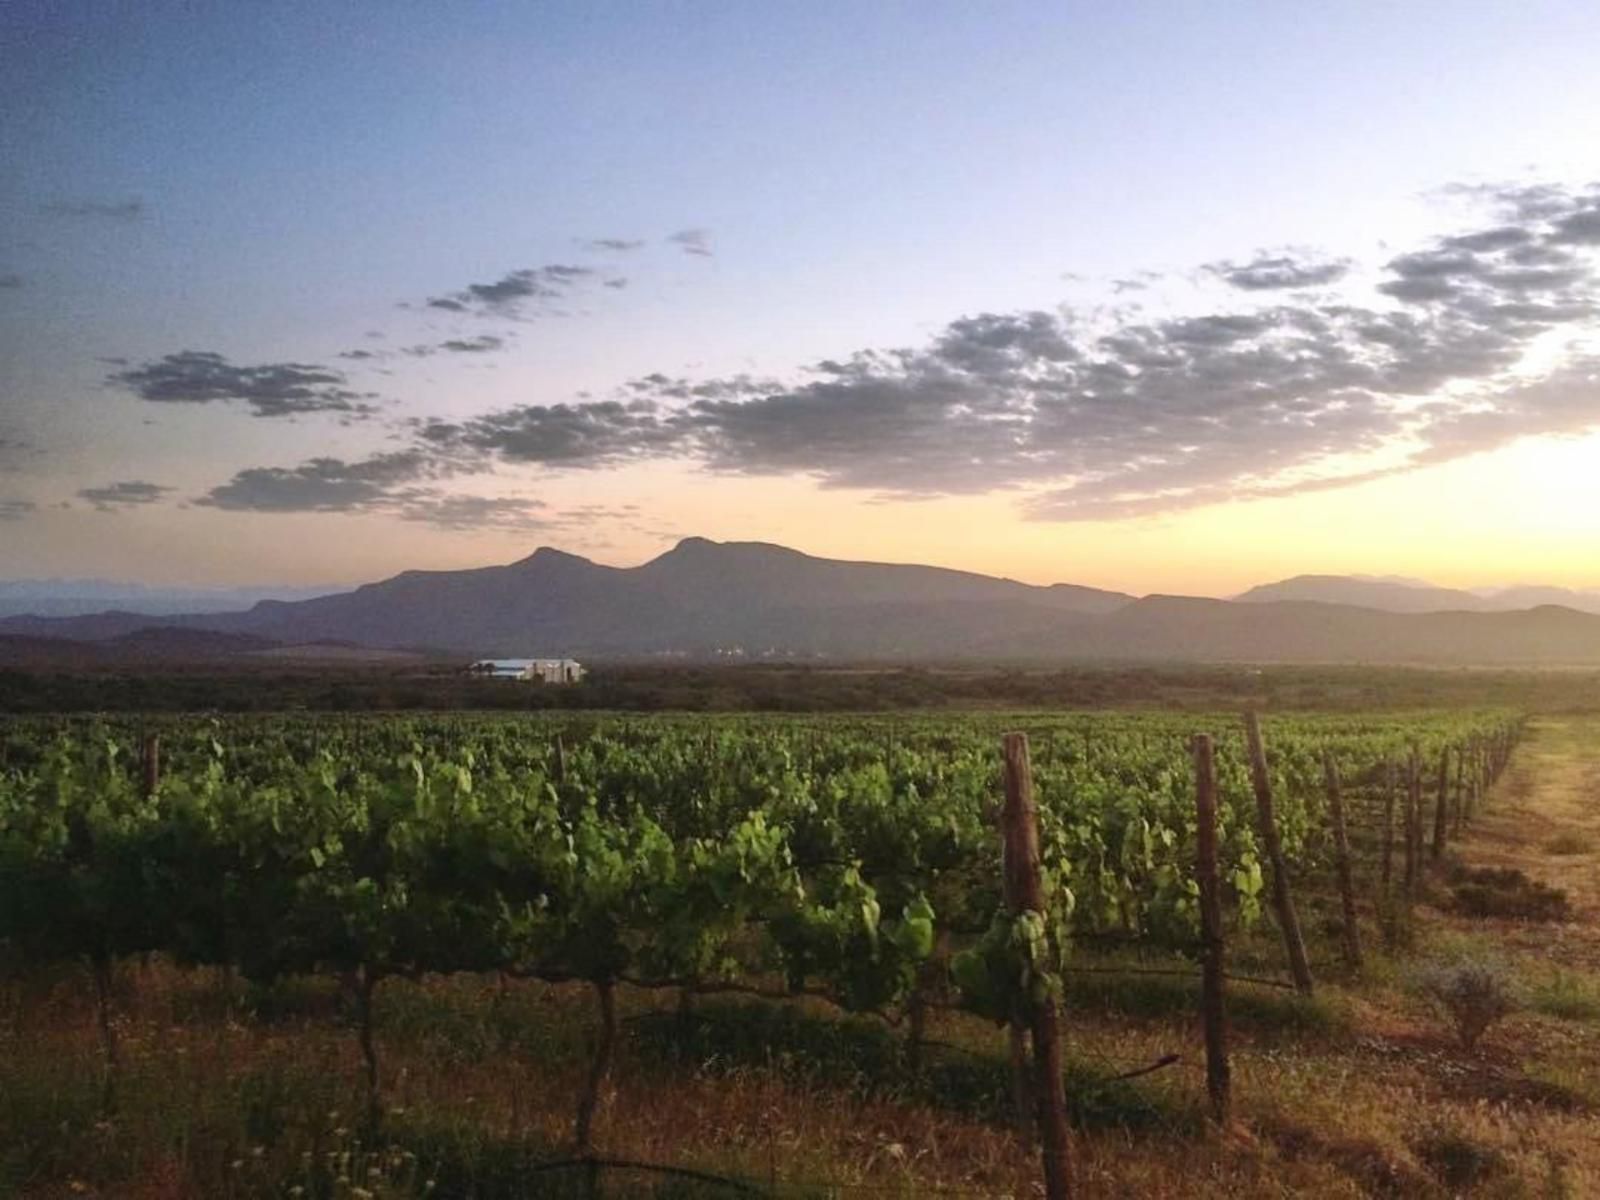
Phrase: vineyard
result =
(851, 864)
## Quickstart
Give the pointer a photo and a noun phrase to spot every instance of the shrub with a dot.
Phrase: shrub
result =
(1472, 994)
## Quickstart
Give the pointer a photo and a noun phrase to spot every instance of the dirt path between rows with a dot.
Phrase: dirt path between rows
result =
(1543, 819)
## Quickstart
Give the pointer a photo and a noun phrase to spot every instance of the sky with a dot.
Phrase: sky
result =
(1161, 297)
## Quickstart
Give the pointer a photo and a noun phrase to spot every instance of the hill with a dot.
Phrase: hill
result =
(1384, 594)
(82, 597)
(705, 600)
(1415, 596)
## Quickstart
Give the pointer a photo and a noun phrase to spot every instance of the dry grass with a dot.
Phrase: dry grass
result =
(1362, 1093)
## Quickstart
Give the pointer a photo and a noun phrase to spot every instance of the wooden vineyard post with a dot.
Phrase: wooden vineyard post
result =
(1458, 802)
(1341, 850)
(599, 1067)
(1024, 892)
(150, 762)
(1475, 800)
(1480, 774)
(1212, 1002)
(1439, 802)
(561, 760)
(1388, 823)
(1413, 806)
(1021, 1085)
(1293, 943)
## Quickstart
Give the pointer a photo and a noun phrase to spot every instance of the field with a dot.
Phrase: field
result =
(508, 956)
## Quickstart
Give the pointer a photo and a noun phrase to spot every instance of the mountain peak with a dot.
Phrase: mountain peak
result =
(690, 547)
(700, 549)
(549, 555)
(705, 599)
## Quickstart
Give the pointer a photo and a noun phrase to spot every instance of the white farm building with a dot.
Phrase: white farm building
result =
(547, 670)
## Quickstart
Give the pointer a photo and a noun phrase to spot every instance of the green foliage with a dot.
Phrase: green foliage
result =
(839, 854)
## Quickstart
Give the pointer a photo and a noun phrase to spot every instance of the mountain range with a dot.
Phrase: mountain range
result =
(1415, 596)
(708, 600)
(80, 597)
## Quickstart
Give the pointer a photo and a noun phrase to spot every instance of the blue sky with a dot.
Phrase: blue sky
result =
(272, 183)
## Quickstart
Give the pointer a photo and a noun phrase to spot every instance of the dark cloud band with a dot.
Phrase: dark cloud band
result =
(130, 494)
(270, 390)
(1143, 416)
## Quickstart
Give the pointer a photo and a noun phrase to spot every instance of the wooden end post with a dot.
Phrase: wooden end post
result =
(1413, 830)
(1341, 849)
(150, 761)
(1441, 800)
(1025, 893)
(1293, 941)
(1212, 1001)
(1387, 868)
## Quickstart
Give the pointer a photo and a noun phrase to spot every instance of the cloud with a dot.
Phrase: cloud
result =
(114, 496)
(271, 390)
(1107, 415)
(1564, 403)
(400, 484)
(323, 484)
(591, 434)
(10, 281)
(12, 448)
(613, 245)
(468, 512)
(100, 210)
(15, 510)
(514, 293)
(485, 344)
(1285, 270)
(692, 241)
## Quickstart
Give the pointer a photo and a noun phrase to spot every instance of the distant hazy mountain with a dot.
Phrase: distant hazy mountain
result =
(1389, 595)
(1531, 596)
(706, 599)
(699, 599)
(1179, 628)
(78, 597)
(1415, 596)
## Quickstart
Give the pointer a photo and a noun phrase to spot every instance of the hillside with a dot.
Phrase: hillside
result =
(1175, 628)
(701, 598)
(1412, 596)
(1386, 595)
(710, 600)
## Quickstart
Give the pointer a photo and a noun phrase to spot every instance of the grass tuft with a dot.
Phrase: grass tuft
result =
(1251, 1007)
(867, 1060)
(1456, 1160)
(1569, 843)
(1506, 892)
(1565, 994)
